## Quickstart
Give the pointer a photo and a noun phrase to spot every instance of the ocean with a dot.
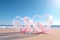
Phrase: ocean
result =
(11, 26)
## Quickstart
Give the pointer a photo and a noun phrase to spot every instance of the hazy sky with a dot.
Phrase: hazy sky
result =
(9, 9)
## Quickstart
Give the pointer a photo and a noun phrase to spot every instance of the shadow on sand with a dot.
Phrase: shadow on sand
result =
(15, 35)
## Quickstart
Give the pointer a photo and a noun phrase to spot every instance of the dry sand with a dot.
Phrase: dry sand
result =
(13, 34)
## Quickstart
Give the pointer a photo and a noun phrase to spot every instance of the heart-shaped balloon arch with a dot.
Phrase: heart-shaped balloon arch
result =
(30, 26)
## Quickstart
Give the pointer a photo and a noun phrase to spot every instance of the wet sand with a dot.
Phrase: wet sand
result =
(13, 34)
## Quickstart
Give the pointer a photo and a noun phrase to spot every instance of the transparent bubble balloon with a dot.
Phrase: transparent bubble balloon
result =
(16, 22)
(28, 25)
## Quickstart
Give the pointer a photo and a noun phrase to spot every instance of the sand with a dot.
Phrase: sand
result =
(13, 34)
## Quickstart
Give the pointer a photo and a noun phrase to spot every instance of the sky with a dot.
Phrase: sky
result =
(9, 9)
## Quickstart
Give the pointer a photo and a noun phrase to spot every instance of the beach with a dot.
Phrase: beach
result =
(13, 34)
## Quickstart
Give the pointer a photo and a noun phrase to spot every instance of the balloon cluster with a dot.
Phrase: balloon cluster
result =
(28, 25)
